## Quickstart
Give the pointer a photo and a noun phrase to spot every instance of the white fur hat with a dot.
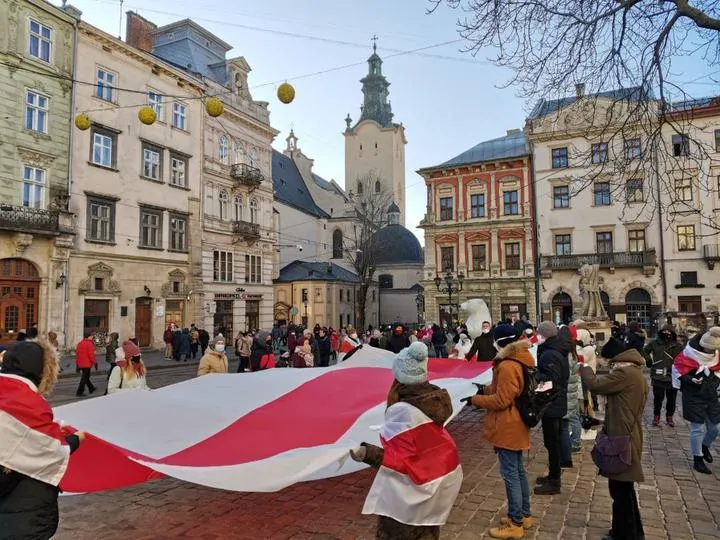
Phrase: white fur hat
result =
(584, 337)
(711, 339)
(411, 364)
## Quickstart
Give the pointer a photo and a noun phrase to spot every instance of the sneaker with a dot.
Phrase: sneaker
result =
(507, 529)
(656, 421)
(552, 487)
(707, 456)
(528, 522)
(699, 465)
(542, 480)
(670, 421)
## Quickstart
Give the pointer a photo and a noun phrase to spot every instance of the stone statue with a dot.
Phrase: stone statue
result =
(592, 306)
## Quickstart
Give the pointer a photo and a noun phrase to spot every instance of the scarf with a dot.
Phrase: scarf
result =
(693, 360)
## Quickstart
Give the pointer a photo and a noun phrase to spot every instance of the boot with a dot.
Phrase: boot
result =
(528, 522)
(670, 421)
(656, 421)
(507, 529)
(707, 456)
(551, 487)
(542, 480)
(698, 465)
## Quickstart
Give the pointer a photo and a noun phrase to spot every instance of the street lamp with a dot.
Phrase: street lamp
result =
(452, 285)
(420, 303)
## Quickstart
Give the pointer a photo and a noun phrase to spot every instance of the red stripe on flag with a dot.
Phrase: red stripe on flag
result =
(28, 407)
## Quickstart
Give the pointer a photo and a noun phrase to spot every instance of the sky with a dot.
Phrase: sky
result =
(447, 105)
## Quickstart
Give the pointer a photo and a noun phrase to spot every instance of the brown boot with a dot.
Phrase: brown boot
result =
(507, 529)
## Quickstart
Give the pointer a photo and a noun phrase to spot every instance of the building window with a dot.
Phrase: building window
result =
(40, 41)
(385, 281)
(561, 197)
(33, 187)
(512, 256)
(178, 170)
(254, 211)
(152, 162)
(686, 237)
(222, 266)
(101, 220)
(688, 278)
(223, 150)
(378, 186)
(337, 240)
(150, 228)
(179, 118)
(636, 241)
(680, 145)
(479, 257)
(604, 242)
(223, 204)
(105, 85)
(253, 157)
(238, 208)
(601, 194)
(239, 152)
(477, 205)
(155, 100)
(447, 259)
(178, 233)
(304, 295)
(360, 187)
(103, 148)
(510, 203)
(599, 152)
(36, 112)
(563, 245)
(253, 269)
(341, 295)
(560, 158)
(717, 140)
(633, 150)
(634, 190)
(446, 208)
(683, 189)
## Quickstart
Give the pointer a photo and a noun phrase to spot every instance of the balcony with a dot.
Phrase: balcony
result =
(25, 219)
(711, 254)
(245, 175)
(644, 260)
(248, 231)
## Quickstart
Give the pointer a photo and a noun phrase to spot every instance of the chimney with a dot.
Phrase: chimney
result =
(513, 131)
(580, 90)
(138, 32)
(71, 10)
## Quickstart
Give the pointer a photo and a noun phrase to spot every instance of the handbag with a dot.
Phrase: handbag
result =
(612, 454)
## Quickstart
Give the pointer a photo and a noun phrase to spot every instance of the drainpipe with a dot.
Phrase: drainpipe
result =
(536, 242)
(660, 227)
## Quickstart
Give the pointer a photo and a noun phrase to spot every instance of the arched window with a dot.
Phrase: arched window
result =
(237, 208)
(638, 307)
(378, 187)
(360, 188)
(223, 149)
(239, 152)
(562, 308)
(254, 211)
(253, 157)
(337, 244)
(223, 204)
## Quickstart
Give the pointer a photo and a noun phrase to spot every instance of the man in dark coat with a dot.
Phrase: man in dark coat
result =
(204, 341)
(483, 346)
(439, 341)
(398, 340)
(553, 367)
(659, 355)
(635, 337)
(323, 345)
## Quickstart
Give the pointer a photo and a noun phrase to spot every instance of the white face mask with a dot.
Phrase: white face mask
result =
(219, 348)
(485, 330)
(540, 339)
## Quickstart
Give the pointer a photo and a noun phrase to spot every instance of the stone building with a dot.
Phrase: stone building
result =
(480, 223)
(136, 192)
(37, 48)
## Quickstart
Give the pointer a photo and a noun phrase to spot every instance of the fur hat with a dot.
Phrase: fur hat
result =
(547, 329)
(504, 334)
(612, 348)
(711, 339)
(411, 364)
(584, 337)
(130, 349)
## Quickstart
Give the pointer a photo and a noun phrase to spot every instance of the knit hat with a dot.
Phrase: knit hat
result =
(130, 349)
(26, 360)
(547, 329)
(612, 348)
(410, 365)
(711, 339)
(504, 334)
(307, 332)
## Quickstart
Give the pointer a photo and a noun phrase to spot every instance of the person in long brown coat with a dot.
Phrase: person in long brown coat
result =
(626, 390)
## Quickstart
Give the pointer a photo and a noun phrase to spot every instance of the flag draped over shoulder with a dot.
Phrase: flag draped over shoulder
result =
(245, 432)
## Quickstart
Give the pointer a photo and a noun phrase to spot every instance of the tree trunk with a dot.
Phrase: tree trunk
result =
(360, 302)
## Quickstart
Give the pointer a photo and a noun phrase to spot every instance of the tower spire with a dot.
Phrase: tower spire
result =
(375, 90)
(374, 40)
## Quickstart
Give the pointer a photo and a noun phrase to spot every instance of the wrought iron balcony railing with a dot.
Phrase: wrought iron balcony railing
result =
(246, 175)
(23, 218)
(246, 230)
(711, 252)
(605, 260)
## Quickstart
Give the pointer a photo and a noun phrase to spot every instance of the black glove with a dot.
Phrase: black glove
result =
(467, 400)
(480, 389)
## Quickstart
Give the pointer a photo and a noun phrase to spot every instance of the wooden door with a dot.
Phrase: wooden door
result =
(143, 321)
(19, 298)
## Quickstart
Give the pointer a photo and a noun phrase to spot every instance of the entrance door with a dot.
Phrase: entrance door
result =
(562, 308)
(96, 320)
(19, 297)
(252, 314)
(637, 307)
(513, 311)
(223, 320)
(447, 314)
(143, 321)
(174, 313)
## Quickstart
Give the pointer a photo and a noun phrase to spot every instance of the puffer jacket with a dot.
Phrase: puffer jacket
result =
(553, 366)
(659, 355)
(213, 362)
(574, 388)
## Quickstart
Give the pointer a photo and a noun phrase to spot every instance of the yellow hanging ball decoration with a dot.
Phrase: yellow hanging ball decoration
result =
(82, 122)
(214, 107)
(286, 93)
(147, 115)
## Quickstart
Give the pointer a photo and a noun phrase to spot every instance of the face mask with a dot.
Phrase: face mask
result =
(485, 330)
(219, 348)
(540, 339)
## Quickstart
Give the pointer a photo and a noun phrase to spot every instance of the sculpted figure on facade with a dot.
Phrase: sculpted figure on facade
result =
(592, 306)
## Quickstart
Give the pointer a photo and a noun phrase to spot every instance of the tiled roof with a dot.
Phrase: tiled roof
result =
(633, 93)
(509, 146)
(290, 188)
(315, 271)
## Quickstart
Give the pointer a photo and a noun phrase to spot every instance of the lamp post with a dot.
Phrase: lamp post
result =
(452, 285)
(420, 303)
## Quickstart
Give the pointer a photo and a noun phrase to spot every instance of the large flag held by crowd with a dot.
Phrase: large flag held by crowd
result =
(254, 432)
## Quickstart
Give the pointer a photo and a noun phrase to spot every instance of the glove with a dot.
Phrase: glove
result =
(358, 454)
(480, 389)
(467, 400)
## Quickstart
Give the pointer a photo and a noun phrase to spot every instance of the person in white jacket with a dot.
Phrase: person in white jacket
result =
(586, 351)
(131, 375)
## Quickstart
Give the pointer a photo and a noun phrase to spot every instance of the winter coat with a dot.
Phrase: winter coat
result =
(323, 344)
(291, 342)
(204, 339)
(168, 336)
(120, 382)
(242, 346)
(177, 342)
(85, 354)
(636, 340)
(552, 365)
(185, 342)
(483, 346)
(111, 347)
(700, 400)
(626, 390)
(257, 349)
(504, 428)
(397, 343)
(213, 362)
(574, 388)
(439, 338)
(659, 356)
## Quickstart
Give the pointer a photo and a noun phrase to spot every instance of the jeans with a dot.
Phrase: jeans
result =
(659, 393)
(571, 431)
(85, 381)
(194, 350)
(552, 436)
(441, 351)
(512, 470)
(698, 438)
(626, 520)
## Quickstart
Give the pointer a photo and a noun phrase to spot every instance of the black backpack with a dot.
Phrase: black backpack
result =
(531, 404)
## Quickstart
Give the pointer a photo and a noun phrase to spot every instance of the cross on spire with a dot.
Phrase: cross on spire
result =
(374, 40)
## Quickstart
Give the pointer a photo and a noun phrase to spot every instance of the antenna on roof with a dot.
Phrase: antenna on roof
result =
(121, 19)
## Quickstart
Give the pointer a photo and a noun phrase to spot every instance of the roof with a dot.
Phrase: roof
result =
(395, 244)
(328, 186)
(692, 104)
(509, 146)
(633, 93)
(189, 23)
(315, 271)
(393, 209)
(290, 188)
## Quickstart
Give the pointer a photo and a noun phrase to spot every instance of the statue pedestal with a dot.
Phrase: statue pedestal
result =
(602, 331)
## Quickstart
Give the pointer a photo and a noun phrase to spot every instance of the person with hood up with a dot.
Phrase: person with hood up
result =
(411, 496)
(129, 374)
(553, 367)
(626, 391)
(185, 342)
(439, 340)
(258, 348)
(635, 336)
(571, 426)
(505, 430)
(697, 372)
(214, 360)
(482, 346)
(35, 449)
(398, 340)
(462, 347)
(659, 356)
(168, 339)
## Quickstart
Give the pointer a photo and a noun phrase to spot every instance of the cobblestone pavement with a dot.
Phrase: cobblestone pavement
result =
(676, 502)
